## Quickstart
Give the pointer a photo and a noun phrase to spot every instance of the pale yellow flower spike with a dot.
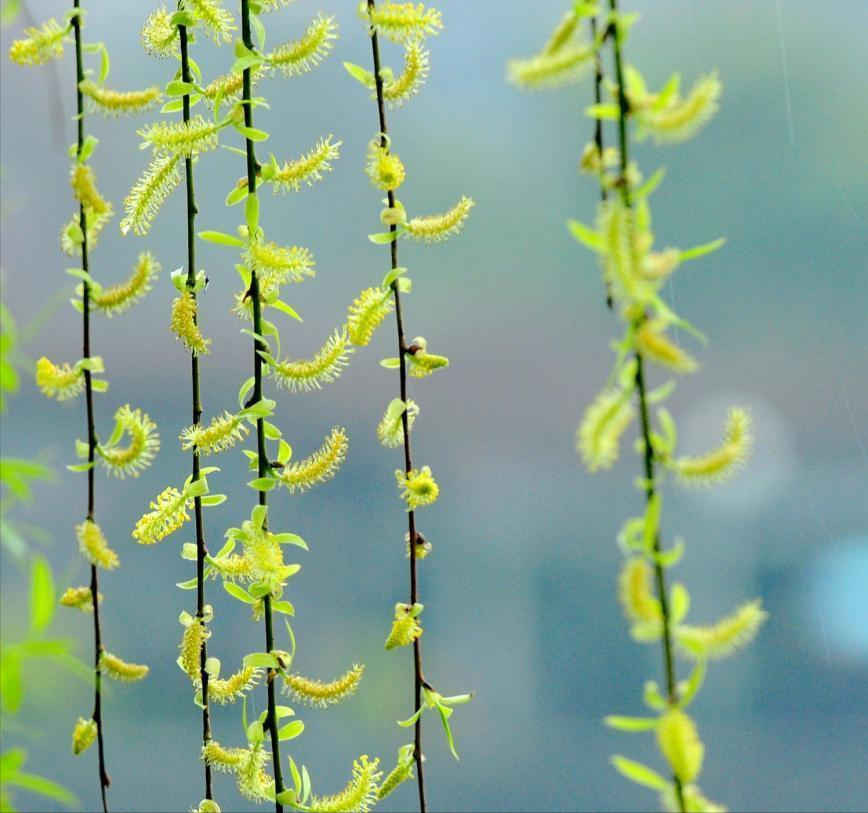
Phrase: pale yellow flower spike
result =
(384, 168)
(278, 265)
(144, 443)
(304, 54)
(721, 464)
(159, 36)
(183, 324)
(181, 138)
(604, 422)
(309, 374)
(216, 20)
(222, 433)
(724, 638)
(423, 363)
(681, 119)
(71, 236)
(360, 794)
(390, 430)
(437, 228)
(228, 690)
(402, 22)
(679, 742)
(40, 45)
(223, 759)
(655, 346)
(94, 547)
(319, 467)
(194, 637)
(83, 182)
(308, 169)
(252, 780)
(317, 693)
(367, 313)
(117, 669)
(159, 180)
(620, 253)
(112, 103)
(168, 513)
(79, 598)
(121, 297)
(83, 735)
(401, 88)
(418, 487)
(405, 628)
(402, 771)
(228, 88)
(636, 593)
(567, 65)
(62, 382)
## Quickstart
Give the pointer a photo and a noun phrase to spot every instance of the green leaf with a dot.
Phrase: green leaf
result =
(283, 607)
(190, 584)
(585, 235)
(382, 238)
(43, 787)
(603, 111)
(360, 74)
(222, 239)
(391, 363)
(408, 723)
(640, 774)
(42, 595)
(701, 251)
(251, 133)
(691, 687)
(260, 660)
(237, 591)
(284, 308)
(650, 185)
(680, 603)
(444, 718)
(237, 194)
(290, 731)
(178, 88)
(620, 723)
(251, 213)
(210, 500)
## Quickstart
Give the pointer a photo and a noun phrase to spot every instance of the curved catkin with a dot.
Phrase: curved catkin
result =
(360, 794)
(228, 690)
(636, 593)
(604, 423)
(159, 180)
(402, 771)
(319, 467)
(724, 638)
(564, 32)
(418, 487)
(222, 433)
(159, 36)
(679, 742)
(384, 168)
(317, 693)
(71, 236)
(144, 443)
(181, 138)
(82, 179)
(569, 64)
(722, 463)
(168, 513)
(308, 169)
(216, 20)
(223, 759)
(305, 53)
(390, 430)
(655, 346)
(39, 45)
(118, 669)
(437, 228)
(83, 735)
(405, 627)
(113, 103)
(620, 253)
(61, 382)
(423, 363)
(233, 568)
(252, 781)
(278, 265)
(402, 22)
(367, 313)
(681, 119)
(192, 641)
(119, 298)
(406, 84)
(183, 324)
(94, 547)
(309, 374)
(228, 88)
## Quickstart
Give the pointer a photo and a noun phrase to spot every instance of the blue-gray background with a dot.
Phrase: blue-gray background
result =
(519, 594)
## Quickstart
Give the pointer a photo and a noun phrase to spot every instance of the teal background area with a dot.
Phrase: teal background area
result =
(520, 590)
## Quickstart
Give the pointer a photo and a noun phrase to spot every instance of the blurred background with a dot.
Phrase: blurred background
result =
(519, 593)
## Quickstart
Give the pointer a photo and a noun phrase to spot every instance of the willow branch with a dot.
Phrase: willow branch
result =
(263, 467)
(419, 677)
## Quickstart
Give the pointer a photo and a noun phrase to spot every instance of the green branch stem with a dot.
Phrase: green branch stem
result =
(201, 549)
(419, 677)
(271, 721)
(104, 779)
(642, 397)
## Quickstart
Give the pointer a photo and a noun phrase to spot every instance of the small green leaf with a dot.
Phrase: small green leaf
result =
(620, 723)
(290, 731)
(391, 363)
(260, 660)
(360, 74)
(222, 239)
(236, 591)
(585, 235)
(42, 601)
(640, 774)
(701, 251)
(382, 238)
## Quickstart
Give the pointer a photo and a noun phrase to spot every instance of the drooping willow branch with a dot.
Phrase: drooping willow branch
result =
(409, 25)
(634, 274)
(64, 381)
